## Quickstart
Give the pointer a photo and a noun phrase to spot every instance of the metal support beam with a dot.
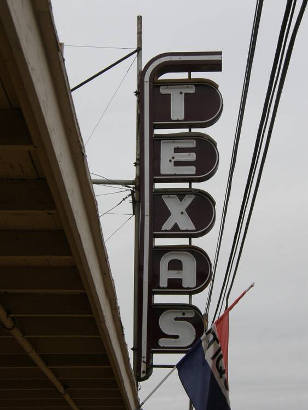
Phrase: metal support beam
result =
(28, 348)
(123, 182)
(104, 70)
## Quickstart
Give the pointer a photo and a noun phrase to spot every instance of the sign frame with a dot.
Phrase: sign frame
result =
(183, 136)
(176, 192)
(187, 290)
(210, 61)
(175, 307)
(197, 83)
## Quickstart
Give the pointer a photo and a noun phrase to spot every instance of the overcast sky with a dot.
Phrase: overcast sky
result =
(268, 329)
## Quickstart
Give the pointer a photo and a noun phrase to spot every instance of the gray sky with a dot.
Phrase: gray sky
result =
(268, 332)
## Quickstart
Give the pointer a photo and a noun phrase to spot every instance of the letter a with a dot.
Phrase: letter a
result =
(187, 274)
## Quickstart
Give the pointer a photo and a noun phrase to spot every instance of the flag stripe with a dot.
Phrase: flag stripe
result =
(199, 382)
(222, 330)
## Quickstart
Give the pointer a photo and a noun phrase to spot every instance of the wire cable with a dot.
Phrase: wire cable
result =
(249, 63)
(100, 47)
(115, 206)
(285, 27)
(104, 70)
(254, 157)
(112, 193)
(270, 131)
(120, 227)
(118, 213)
(262, 129)
(110, 101)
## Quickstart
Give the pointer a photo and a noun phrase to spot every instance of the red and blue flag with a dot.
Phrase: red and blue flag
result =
(203, 371)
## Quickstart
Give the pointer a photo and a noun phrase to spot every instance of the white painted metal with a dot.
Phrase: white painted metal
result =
(168, 157)
(178, 214)
(187, 274)
(170, 325)
(177, 92)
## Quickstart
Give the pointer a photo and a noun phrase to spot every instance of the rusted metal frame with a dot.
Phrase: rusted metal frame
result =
(10, 326)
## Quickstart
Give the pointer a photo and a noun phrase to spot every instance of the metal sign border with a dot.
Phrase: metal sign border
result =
(162, 63)
(190, 178)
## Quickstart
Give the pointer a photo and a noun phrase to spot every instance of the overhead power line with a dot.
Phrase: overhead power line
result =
(285, 25)
(249, 63)
(270, 131)
(110, 101)
(274, 77)
(120, 227)
(100, 47)
(115, 206)
(117, 213)
(258, 144)
(112, 193)
(257, 151)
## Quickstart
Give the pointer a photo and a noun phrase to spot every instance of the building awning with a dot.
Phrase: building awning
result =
(61, 340)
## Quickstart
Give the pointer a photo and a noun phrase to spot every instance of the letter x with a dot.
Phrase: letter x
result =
(178, 214)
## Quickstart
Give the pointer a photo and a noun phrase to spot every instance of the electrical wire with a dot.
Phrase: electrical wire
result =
(110, 101)
(255, 156)
(115, 206)
(101, 47)
(271, 126)
(275, 72)
(112, 193)
(117, 230)
(262, 129)
(246, 83)
(117, 213)
(104, 70)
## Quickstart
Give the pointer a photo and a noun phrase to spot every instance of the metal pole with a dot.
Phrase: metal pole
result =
(104, 70)
(137, 182)
(190, 406)
(123, 182)
(157, 387)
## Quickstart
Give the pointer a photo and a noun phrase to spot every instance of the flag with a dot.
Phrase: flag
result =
(203, 371)
(203, 374)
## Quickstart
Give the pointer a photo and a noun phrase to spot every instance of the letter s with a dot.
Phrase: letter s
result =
(184, 330)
